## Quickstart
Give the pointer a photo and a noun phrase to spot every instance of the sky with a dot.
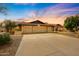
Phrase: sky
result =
(53, 13)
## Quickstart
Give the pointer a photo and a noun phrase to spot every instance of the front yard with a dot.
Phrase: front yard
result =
(10, 49)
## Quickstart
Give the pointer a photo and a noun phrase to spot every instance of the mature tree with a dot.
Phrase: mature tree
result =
(9, 25)
(71, 23)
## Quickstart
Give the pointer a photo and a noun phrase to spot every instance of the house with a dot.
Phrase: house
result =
(37, 27)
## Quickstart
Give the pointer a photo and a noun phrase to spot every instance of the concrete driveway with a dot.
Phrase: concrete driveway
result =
(48, 44)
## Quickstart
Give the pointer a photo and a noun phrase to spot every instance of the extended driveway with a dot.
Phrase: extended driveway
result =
(49, 44)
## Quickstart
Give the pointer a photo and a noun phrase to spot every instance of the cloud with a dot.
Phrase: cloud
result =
(57, 13)
(60, 9)
(54, 13)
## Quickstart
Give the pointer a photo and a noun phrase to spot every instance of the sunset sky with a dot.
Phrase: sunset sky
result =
(47, 12)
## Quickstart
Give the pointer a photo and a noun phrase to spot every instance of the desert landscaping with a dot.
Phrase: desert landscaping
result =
(42, 33)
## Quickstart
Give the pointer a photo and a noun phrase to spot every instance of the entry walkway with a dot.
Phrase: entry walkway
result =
(48, 44)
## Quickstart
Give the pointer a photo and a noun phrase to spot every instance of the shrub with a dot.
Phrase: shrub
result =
(4, 38)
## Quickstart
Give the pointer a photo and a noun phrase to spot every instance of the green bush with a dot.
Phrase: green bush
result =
(4, 38)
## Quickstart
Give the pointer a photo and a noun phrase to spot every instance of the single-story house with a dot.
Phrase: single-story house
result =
(38, 27)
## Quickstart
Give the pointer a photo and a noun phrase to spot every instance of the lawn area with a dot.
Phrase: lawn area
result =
(11, 48)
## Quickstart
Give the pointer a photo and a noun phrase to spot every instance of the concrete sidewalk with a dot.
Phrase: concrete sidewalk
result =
(49, 44)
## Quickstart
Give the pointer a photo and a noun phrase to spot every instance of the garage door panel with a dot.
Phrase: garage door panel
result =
(27, 29)
(39, 29)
